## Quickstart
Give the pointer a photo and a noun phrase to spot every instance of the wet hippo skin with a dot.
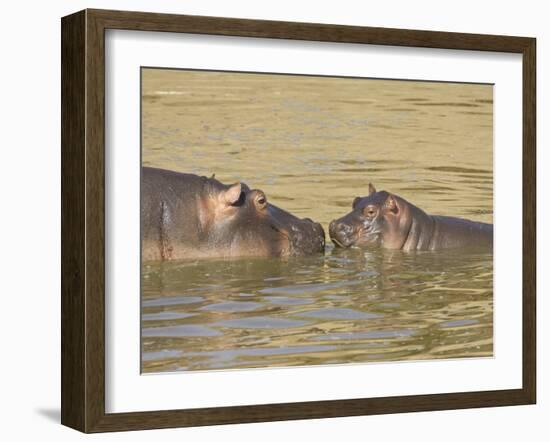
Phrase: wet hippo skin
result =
(388, 221)
(185, 216)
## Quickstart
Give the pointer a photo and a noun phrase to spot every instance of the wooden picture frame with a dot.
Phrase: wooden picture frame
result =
(83, 220)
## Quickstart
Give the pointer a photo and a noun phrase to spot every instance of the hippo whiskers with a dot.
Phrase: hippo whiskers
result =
(382, 219)
(185, 216)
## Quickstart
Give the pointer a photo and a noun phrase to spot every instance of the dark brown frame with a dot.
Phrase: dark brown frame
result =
(83, 216)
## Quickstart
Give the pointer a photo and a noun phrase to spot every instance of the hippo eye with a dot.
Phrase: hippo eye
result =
(261, 201)
(370, 211)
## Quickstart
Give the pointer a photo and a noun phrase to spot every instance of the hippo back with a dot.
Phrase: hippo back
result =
(169, 211)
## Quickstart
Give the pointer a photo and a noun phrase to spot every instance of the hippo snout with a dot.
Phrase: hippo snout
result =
(307, 237)
(340, 233)
(319, 228)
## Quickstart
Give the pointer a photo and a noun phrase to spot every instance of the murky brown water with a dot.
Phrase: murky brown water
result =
(313, 144)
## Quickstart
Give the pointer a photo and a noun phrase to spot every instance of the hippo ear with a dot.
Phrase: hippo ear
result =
(372, 189)
(231, 195)
(355, 202)
(391, 204)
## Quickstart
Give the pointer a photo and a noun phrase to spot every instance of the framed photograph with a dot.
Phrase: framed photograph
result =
(269, 220)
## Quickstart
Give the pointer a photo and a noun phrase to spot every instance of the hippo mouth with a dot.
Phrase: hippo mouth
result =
(367, 236)
(297, 237)
(345, 234)
(302, 239)
(342, 235)
(307, 239)
(338, 243)
(343, 241)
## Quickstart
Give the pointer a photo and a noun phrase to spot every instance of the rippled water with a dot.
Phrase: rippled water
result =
(313, 144)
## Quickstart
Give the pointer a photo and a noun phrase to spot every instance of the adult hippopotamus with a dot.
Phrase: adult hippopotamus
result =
(188, 216)
(387, 220)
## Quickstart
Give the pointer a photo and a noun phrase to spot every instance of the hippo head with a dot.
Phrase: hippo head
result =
(244, 222)
(379, 219)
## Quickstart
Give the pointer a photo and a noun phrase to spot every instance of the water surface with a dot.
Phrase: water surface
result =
(313, 144)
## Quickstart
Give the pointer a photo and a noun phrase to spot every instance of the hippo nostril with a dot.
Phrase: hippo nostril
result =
(338, 228)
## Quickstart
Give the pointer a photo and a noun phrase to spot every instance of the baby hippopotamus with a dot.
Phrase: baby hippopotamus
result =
(188, 216)
(388, 221)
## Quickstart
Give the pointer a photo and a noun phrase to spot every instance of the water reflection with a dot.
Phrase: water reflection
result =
(348, 306)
